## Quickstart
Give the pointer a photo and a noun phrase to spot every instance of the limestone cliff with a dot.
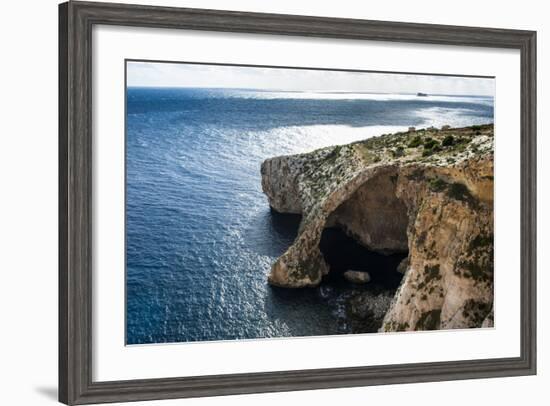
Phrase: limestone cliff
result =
(426, 192)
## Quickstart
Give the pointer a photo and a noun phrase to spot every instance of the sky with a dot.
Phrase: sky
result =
(160, 74)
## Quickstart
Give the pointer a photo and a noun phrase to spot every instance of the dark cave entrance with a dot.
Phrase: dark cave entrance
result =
(362, 307)
(343, 253)
(372, 216)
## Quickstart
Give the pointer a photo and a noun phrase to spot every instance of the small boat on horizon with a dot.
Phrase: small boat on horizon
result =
(422, 94)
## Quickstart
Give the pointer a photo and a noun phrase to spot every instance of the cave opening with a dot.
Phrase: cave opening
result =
(367, 232)
(343, 253)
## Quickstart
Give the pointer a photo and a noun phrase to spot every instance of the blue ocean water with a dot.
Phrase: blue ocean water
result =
(200, 237)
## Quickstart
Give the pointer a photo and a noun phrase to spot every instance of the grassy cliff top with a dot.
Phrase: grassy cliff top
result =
(436, 146)
(324, 170)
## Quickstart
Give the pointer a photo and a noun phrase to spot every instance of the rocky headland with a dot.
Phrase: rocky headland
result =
(425, 193)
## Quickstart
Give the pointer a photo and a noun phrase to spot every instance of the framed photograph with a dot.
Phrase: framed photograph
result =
(258, 202)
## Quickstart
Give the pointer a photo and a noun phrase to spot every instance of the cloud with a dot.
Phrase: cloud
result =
(159, 74)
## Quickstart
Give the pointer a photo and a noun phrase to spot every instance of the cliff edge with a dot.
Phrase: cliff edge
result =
(426, 192)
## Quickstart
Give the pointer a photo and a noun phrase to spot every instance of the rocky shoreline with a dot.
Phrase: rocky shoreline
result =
(428, 193)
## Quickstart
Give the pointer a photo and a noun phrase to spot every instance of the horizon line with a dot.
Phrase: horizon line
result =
(300, 91)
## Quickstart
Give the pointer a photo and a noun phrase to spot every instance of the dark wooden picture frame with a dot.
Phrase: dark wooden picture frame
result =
(76, 20)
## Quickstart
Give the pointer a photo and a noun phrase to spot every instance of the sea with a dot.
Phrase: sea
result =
(200, 235)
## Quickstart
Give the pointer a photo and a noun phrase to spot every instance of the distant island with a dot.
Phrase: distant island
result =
(422, 94)
(426, 193)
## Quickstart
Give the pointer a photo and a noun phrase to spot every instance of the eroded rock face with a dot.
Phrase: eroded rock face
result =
(449, 278)
(374, 215)
(410, 191)
(280, 185)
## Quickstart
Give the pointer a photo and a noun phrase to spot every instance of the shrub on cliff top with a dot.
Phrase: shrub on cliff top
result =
(431, 144)
(398, 152)
(448, 141)
(332, 155)
(415, 142)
